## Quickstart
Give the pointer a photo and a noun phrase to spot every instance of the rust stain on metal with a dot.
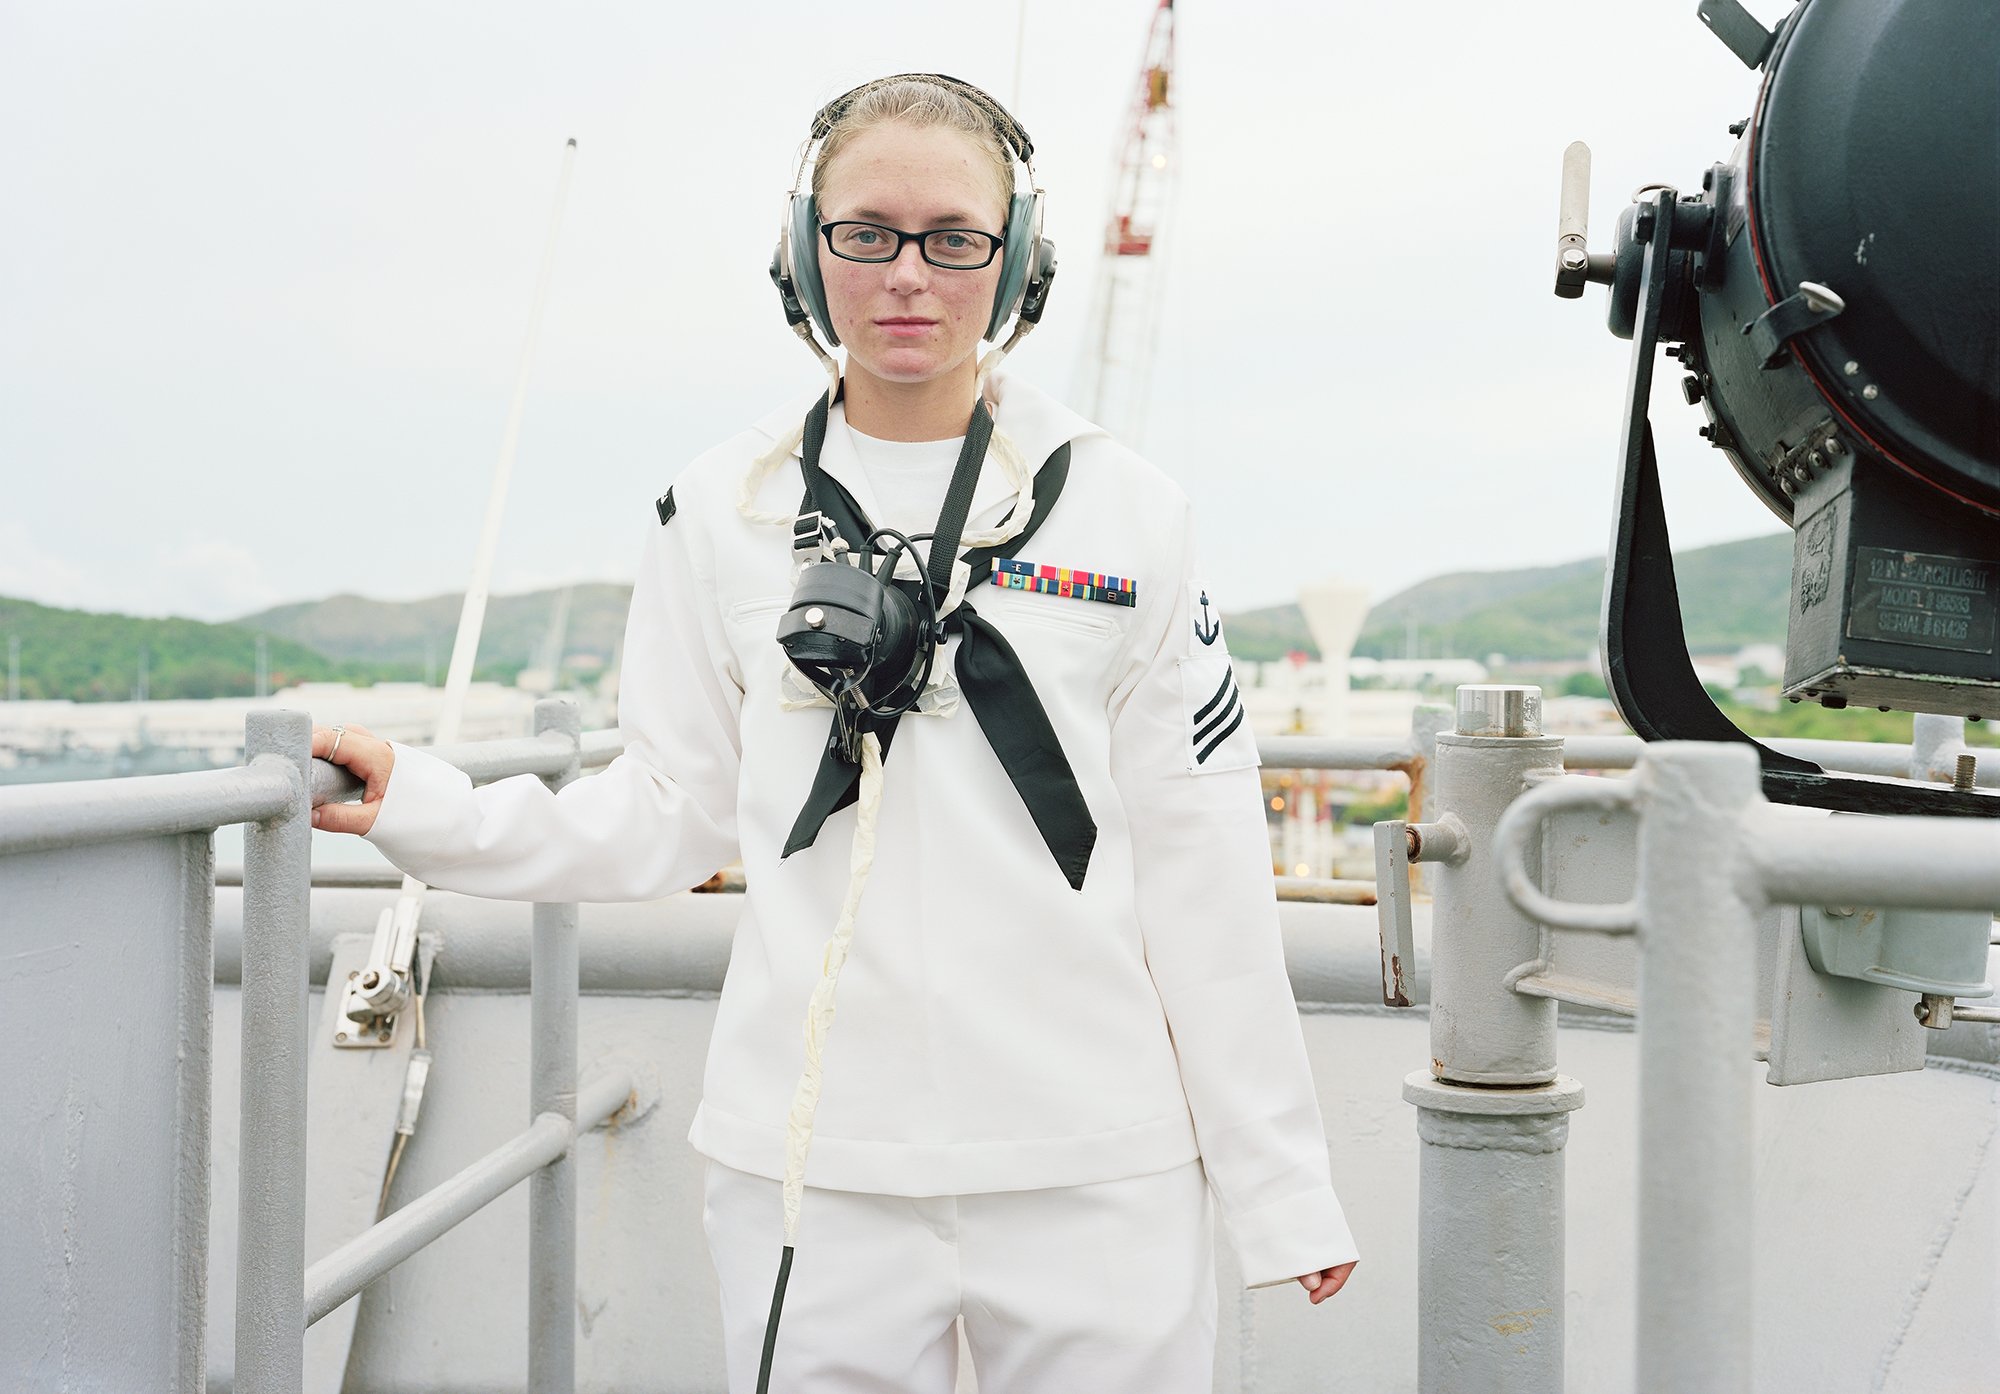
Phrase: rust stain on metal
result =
(1517, 1323)
(1399, 991)
(1412, 769)
(623, 1114)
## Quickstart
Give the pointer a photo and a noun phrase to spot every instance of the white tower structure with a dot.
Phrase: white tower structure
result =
(1334, 611)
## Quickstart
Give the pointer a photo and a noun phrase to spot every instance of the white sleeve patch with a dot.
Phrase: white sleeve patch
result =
(1216, 724)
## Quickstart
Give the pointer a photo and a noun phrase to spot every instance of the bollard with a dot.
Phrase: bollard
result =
(1482, 1032)
(1492, 1113)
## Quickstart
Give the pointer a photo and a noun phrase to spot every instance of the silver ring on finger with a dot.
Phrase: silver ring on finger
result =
(334, 750)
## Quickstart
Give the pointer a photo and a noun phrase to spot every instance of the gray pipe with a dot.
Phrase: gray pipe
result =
(45, 817)
(553, 987)
(1697, 1013)
(271, 1185)
(1868, 861)
(380, 1247)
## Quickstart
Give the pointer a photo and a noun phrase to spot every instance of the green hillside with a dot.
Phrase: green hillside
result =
(87, 657)
(412, 633)
(1732, 594)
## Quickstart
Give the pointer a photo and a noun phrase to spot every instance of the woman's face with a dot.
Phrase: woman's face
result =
(906, 320)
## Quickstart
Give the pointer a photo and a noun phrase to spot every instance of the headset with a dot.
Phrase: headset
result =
(1027, 259)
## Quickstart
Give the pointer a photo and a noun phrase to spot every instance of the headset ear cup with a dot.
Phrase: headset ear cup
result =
(802, 252)
(1023, 234)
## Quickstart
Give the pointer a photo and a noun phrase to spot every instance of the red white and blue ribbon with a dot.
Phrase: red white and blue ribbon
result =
(1070, 583)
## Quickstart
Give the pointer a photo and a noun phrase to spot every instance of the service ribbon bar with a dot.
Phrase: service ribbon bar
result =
(1067, 582)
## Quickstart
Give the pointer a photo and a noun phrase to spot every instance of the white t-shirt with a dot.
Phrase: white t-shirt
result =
(909, 479)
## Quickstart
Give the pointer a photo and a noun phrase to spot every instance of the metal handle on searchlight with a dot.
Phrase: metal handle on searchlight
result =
(1576, 265)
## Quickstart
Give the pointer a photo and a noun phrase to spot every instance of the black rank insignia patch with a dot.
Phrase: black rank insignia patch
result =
(665, 506)
(1216, 724)
(1218, 732)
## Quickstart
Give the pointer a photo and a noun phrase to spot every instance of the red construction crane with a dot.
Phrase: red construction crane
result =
(1112, 376)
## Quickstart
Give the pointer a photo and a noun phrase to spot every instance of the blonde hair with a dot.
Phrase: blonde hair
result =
(923, 104)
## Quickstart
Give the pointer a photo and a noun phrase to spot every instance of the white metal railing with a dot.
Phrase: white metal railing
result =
(272, 793)
(1712, 855)
(542, 1155)
(277, 1297)
(366, 1257)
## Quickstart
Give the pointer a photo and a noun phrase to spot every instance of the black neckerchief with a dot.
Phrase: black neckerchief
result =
(990, 674)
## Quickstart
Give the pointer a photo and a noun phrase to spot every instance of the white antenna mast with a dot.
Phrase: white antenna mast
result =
(385, 985)
(458, 678)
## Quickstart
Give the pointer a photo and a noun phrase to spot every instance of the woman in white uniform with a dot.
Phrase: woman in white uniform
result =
(1064, 1025)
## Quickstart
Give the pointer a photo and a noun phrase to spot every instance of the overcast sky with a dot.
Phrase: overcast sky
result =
(265, 273)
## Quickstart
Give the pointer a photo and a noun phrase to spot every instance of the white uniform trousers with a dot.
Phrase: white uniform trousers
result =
(1107, 1288)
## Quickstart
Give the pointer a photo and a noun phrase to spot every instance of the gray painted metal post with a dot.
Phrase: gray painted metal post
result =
(271, 1196)
(1697, 1012)
(1490, 1235)
(553, 985)
(1482, 1031)
(1492, 1114)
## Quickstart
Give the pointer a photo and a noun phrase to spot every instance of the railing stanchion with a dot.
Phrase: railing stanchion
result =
(271, 1186)
(1697, 1014)
(553, 987)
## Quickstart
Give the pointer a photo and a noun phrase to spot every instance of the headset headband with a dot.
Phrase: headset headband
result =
(1027, 263)
(1012, 134)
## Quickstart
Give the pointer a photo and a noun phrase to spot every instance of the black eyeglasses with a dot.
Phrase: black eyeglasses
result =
(953, 248)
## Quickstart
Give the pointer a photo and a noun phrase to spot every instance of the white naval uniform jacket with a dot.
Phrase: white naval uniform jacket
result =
(995, 1029)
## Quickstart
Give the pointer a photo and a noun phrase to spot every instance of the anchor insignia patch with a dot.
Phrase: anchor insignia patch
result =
(1206, 628)
(1216, 726)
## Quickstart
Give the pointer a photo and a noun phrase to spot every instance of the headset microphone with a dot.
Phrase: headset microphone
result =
(860, 638)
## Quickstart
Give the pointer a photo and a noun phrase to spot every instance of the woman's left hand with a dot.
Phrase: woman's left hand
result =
(1324, 1284)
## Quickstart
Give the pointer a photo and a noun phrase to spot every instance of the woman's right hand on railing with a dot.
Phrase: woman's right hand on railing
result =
(365, 754)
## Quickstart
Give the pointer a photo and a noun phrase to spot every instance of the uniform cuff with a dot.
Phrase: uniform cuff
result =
(1286, 1239)
(421, 806)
